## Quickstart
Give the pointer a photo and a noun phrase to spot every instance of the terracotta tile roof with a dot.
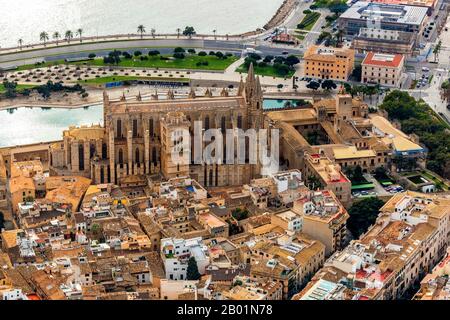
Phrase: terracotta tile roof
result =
(383, 60)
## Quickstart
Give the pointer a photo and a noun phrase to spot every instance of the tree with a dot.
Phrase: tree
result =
(437, 49)
(314, 85)
(96, 228)
(192, 270)
(363, 214)
(10, 89)
(355, 174)
(137, 53)
(371, 90)
(328, 85)
(324, 35)
(179, 55)
(113, 57)
(56, 36)
(202, 54)
(339, 37)
(240, 214)
(445, 91)
(44, 37)
(281, 69)
(80, 34)
(141, 30)
(356, 73)
(178, 32)
(153, 32)
(292, 60)
(20, 41)
(220, 55)
(313, 183)
(179, 50)
(214, 32)
(68, 36)
(153, 53)
(92, 55)
(189, 32)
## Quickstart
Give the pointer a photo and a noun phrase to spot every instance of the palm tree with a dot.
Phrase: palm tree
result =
(141, 30)
(437, 49)
(80, 33)
(44, 37)
(20, 41)
(68, 35)
(178, 32)
(153, 31)
(214, 32)
(339, 36)
(56, 36)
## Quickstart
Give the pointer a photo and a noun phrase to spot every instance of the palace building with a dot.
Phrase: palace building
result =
(135, 138)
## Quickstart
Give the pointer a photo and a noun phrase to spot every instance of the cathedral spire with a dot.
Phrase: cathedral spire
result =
(170, 95)
(241, 87)
(250, 74)
(224, 92)
(139, 97)
(208, 93)
(192, 94)
(258, 90)
(155, 96)
(105, 97)
(123, 98)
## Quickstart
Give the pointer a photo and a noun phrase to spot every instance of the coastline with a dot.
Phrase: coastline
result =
(282, 13)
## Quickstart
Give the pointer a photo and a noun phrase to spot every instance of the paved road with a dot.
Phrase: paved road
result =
(164, 46)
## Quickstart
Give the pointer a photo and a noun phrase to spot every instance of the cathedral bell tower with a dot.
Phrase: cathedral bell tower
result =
(254, 99)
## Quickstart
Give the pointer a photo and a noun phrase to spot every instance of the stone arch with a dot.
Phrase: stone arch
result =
(211, 176)
(119, 128)
(137, 158)
(239, 122)
(223, 124)
(135, 128)
(151, 128)
(207, 123)
(104, 151)
(154, 156)
(91, 150)
(120, 156)
(81, 157)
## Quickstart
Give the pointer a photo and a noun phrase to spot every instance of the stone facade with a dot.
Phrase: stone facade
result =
(130, 142)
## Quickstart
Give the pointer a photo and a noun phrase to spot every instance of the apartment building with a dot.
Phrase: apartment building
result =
(328, 63)
(329, 175)
(383, 69)
(409, 237)
(175, 254)
(324, 219)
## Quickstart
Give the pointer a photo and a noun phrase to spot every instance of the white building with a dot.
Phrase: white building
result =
(176, 253)
(383, 69)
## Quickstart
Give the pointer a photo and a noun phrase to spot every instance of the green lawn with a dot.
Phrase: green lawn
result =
(309, 21)
(19, 87)
(326, 3)
(190, 62)
(268, 71)
(300, 35)
(42, 65)
(103, 80)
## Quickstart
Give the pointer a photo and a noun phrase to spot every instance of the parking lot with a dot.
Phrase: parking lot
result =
(378, 189)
